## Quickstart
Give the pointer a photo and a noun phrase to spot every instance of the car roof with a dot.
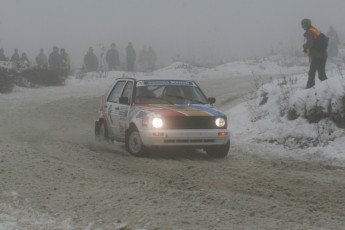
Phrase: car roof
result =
(153, 77)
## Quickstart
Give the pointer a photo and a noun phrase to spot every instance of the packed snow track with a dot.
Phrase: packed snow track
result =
(53, 175)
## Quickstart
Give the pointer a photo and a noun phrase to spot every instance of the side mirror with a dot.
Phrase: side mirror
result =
(124, 100)
(212, 100)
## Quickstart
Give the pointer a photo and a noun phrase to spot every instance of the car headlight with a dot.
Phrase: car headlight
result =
(157, 122)
(220, 122)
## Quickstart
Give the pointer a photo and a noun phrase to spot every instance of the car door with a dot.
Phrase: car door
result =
(112, 107)
(123, 111)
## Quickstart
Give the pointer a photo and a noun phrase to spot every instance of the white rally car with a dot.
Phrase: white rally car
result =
(146, 112)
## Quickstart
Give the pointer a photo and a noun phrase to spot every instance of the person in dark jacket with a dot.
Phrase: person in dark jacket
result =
(41, 59)
(2, 55)
(54, 59)
(130, 57)
(24, 61)
(317, 58)
(113, 58)
(15, 57)
(65, 62)
(91, 61)
(24, 58)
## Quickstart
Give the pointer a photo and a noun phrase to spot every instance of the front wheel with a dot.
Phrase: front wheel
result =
(219, 151)
(134, 143)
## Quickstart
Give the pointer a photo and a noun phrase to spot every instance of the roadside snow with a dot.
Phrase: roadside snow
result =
(261, 124)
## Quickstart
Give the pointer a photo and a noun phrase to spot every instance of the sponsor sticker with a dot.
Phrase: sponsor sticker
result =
(164, 82)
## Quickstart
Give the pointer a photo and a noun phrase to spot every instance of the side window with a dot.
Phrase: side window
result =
(127, 92)
(116, 92)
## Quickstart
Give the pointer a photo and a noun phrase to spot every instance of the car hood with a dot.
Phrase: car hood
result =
(178, 110)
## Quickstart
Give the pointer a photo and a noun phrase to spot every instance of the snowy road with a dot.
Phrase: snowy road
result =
(53, 175)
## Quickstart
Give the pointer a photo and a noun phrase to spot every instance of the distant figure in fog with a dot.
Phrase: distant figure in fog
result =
(333, 42)
(24, 61)
(15, 57)
(152, 58)
(41, 59)
(2, 55)
(113, 58)
(65, 62)
(54, 59)
(24, 58)
(130, 57)
(142, 60)
(91, 61)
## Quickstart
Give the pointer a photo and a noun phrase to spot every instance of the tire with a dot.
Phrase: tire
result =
(134, 143)
(219, 151)
(101, 131)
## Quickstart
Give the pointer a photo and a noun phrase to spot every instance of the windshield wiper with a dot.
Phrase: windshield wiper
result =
(194, 101)
(190, 100)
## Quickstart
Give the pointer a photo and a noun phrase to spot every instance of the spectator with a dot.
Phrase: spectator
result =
(90, 61)
(102, 60)
(113, 58)
(24, 61)
(333, 42)
(130, 57)
(24, 58)
(65, 62)
(54, 59)
(2, 55)
(15, 57)
(152, 58)
(41, 59)
(143, 60)
(317, 57)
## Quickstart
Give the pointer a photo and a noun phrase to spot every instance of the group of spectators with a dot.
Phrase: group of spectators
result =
(15, 57)
(110, 59)
(58, 60)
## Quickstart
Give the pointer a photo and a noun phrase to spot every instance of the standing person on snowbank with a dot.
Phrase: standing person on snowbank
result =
(65, 63)
(317, 57)
(130, 57)
(54, 59)
(15, 57)
(91, 61)
(41, 59)
(113, 58)
(2, 55)
(333, 42)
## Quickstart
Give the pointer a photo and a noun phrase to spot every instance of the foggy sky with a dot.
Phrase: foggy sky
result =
(199, 29)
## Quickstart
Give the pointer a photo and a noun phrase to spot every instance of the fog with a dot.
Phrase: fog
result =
(204, 31)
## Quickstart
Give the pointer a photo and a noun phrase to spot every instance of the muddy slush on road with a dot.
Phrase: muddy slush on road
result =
(54, 175)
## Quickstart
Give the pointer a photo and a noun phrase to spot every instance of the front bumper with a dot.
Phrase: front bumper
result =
(191, 137)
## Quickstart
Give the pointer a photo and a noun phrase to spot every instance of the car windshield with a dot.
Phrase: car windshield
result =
(168, 92)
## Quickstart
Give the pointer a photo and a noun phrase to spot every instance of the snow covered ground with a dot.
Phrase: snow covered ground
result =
(262, 121)
(260, 125)
(270, 129)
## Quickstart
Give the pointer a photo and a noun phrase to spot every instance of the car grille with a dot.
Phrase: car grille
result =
(196, 122)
